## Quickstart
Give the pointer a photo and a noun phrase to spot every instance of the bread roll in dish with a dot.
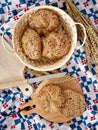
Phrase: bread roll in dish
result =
(55, 46)
(31, 44)
(44, 21)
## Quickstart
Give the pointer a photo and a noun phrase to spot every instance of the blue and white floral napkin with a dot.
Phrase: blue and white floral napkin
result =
(10, 99)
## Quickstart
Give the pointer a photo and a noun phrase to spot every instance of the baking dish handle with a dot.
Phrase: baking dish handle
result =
(4, 42)
(84, 31)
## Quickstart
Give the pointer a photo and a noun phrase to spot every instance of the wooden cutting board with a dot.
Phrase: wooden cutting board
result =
(11, 71)
(66, 82)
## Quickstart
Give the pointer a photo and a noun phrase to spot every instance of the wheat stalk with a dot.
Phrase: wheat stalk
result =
(91, 44)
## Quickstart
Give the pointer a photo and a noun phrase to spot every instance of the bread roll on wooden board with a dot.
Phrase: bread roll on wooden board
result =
(57, 100)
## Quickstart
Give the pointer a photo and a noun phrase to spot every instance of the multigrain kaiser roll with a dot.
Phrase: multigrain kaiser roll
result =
(44, 21)
(31, 44)
(54, 99)
(55, 45)
(63, 97)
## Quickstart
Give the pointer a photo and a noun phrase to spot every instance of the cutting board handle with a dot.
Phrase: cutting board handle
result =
(22, 84)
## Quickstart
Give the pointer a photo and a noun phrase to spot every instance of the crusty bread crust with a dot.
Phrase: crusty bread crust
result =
(31, 44)
(62, 97)
(55, 45)
(44, 21)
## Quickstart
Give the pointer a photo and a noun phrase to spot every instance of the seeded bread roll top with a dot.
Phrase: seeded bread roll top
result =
(31, 44)
(67, 102)
(44, 21)
(55, 46)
